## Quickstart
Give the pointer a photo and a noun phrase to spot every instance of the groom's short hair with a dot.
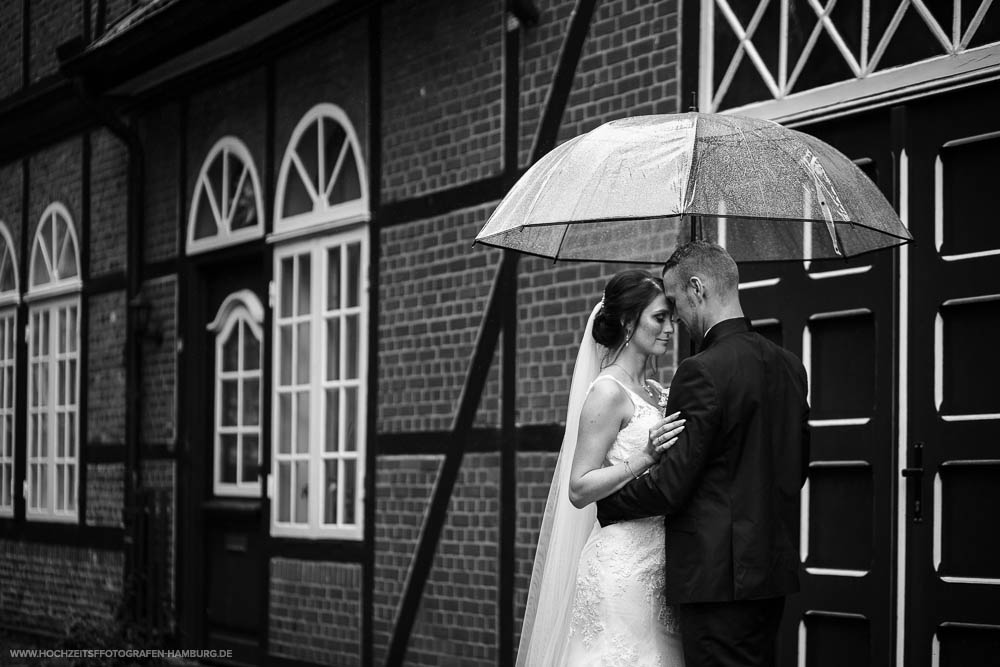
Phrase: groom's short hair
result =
(708, 259)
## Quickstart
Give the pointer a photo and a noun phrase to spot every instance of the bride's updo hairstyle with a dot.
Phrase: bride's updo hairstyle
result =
(625, 297)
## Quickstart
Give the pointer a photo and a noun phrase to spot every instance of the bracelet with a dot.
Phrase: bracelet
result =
(629, 468)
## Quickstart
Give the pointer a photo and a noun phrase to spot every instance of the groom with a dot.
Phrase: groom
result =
(730, 485)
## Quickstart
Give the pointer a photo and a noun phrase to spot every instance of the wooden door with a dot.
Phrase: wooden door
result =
(951, 416)
(839, 317)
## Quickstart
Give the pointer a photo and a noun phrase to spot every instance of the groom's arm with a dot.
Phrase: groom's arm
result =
(672, 480)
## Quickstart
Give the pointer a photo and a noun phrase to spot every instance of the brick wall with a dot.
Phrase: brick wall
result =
(629, 66)
(52, 23)
(46, 587)
(236, 107)
(442, 91)
(105, 491)
(108, 203)
(159, 365)
(332, 69)
(160, 477)
(456, 623)
(106, 369)
(114, 10)
(159, 132)
(11, 78)
(432, 292)
(55, 177)
(11, 183)
(315, 612)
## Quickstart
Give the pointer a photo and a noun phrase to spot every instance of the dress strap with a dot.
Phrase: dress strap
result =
(632, 396)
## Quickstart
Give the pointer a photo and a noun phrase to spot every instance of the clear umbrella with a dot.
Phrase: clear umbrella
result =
(632, 189)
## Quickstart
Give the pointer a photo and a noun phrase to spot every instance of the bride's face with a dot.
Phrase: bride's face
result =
(654, 328)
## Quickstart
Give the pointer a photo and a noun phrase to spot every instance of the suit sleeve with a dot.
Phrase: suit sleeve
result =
(670, 482)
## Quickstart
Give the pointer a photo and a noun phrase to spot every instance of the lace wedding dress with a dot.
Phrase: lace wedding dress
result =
(619, 616)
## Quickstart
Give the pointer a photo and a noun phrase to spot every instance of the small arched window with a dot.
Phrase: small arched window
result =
(322, 179)
(227, 207)
(238, 349)
(9, 298)
(52, 483)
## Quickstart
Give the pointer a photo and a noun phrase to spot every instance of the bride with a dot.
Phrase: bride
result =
(596, 594)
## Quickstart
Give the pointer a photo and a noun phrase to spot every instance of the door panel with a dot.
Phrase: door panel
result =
(953, 416)
(839, 316)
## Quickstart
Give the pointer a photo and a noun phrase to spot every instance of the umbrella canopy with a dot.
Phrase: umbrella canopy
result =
(631, 190)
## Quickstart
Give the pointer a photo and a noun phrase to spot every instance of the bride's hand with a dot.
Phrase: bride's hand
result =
(664, 434)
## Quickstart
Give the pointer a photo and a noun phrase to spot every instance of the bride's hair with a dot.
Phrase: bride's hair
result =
(625, 297)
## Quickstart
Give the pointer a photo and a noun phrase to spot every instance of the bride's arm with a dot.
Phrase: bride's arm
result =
(605, 410)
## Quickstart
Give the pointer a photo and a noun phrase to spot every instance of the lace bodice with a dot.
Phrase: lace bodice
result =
(619, 615)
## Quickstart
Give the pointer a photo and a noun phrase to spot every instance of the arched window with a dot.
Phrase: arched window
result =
(53, 369)
(9, 298)
(237, 328)
(227, 207)
(320, 322)
(322, 180)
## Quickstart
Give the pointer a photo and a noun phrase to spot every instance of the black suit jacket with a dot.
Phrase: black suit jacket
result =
(730, 485)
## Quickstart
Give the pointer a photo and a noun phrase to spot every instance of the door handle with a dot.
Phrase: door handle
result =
(915, 473)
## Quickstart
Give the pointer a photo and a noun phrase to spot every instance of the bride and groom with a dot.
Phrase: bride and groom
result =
(722, 456)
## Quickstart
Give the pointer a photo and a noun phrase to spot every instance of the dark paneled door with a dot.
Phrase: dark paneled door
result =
(952, 403)
(839, 316)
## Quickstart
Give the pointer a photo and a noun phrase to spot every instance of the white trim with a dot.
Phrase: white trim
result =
(804, 522)
(849, 421)
(838, 273)
(223, 214)
(835, 572)
(54, 286)
(242, 312)
(8, 341)
(939, 200)
(14, 295)
(939, 359)
(322, 212)
(317, 385)
(310, 226)
(903, 398)
(755, 284)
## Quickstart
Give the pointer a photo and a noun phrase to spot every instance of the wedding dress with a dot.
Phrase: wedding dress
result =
(619, 616)
(596, 594)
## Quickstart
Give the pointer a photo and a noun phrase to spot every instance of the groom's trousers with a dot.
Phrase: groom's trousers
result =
(730, 634)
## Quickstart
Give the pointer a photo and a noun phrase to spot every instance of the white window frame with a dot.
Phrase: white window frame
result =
(240, 308)
(47, 299)
(9, 300)
(222, 208)
(317, 250)
(323, 215)
(869, 86)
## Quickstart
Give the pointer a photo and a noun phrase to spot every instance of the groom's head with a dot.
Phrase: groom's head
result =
(701, 283)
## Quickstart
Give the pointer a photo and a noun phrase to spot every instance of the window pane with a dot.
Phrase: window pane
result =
(60, 435)
(351, 419)
(332, 420)
(351, 351)
(61, 325)
(302, 422)
(43, 436)
(353, 274)
(230, 403)
(245, 208)
(40, 272)
(251, 402)
(73, 335)
(204, 222)
(333, 278)
(348, 185)
(301, 491)
(330, 497)
(43, 335)
(305, 285)
(71, 491)
(284, 423)
(251, 457)
(41, 487)
(71, 433)
(334, 138)
(350, 489)
(251, 349)
(231, 350)
(302, 371)
(308, 151)
(284, 491)
(286, 278)
(297, 197)
(60, 486)
(71, 380)
(7, 272)
(61, 382)
(285, 351)
(333, 348)
(66, 263)
(229, 456)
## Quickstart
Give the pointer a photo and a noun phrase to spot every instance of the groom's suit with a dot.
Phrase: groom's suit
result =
(730, 485)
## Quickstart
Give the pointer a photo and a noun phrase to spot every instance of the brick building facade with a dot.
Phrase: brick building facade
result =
(313, 425)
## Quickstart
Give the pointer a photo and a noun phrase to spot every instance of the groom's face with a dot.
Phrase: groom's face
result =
(681, 302)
